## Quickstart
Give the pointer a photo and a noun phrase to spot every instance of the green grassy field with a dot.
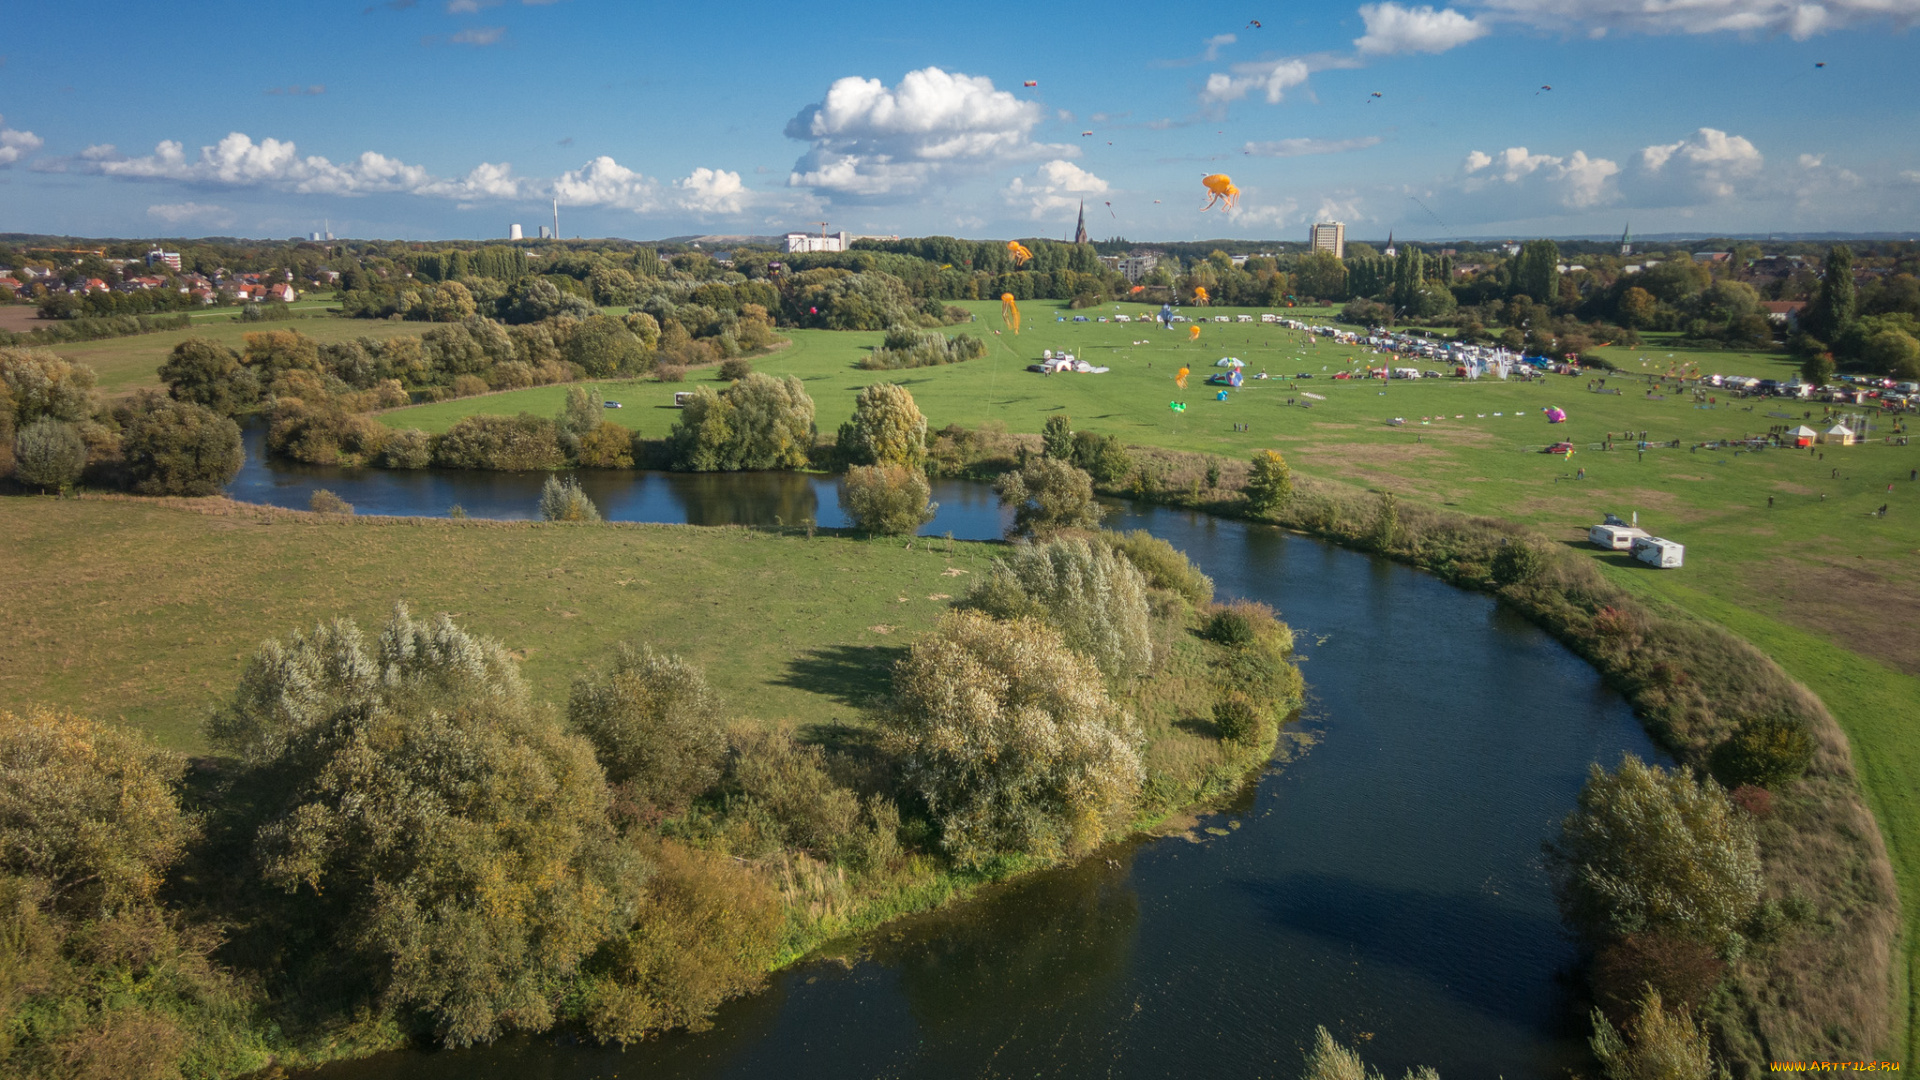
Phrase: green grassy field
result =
(144, 613)
(129, 363)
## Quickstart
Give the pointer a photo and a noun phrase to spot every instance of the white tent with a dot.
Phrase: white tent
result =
(1229, 361)
(1838, 433)
(1803, 436)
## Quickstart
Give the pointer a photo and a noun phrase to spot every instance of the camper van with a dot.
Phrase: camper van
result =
(1657, 552)
(1615, 537)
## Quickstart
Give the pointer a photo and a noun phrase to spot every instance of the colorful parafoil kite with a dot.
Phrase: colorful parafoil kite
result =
(1031, 82)
(1018, 252)
(1010, 311)
(1221, 190)
(1200, 295)
(1177, 406)
(1193, 333)
(1555, 415)
(1180, 377)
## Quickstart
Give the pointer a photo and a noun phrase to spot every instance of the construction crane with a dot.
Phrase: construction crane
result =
(823, 228)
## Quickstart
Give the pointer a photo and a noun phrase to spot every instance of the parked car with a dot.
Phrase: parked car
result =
(1558, 448)
(614, 405)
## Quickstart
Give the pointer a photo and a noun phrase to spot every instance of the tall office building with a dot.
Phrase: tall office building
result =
(1329, 236)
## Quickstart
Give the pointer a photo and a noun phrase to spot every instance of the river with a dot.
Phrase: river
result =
(1386, 883)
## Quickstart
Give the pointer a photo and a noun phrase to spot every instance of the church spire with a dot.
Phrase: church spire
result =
(1391, 251)
(1080, 231)
(1626, 239)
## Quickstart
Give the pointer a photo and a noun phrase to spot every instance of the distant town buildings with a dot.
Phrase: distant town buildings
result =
(514, 233)
(1135, 268)
(171, 259)
(799, 242)
(1330, 237)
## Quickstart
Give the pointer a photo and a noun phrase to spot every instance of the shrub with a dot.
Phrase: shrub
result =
(1517, 562)
(1010, 738)
(1231, 626)
(670, 373)
(1163, 565)
(458, 833)
(655, 725)
(48, 454)
(706, 929)
(1652, 850)
(180, 448)
(323, 501)
(1102, 456)
(1235, 717)
(1659, 1043)
(906, 347)
(1049, 495)
(607, 446)
(791, 785)
(210, 374)
(886, 429)
(1056, 435)
(564, 500)
(887, 500)
(602, 345)
(1764, 751)
(1270, 485)
(44, 386)
(409, 449)
(323, 432)
(507, 443)
(736, 369)
(760, 422)
(1683, 972)
(1096, 599)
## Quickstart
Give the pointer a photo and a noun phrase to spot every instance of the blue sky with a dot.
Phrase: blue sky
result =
(453, 118)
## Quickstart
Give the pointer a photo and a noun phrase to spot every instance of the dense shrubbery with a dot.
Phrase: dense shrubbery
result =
(906, 347)
(1049, 495)
(1163, 565)
(886, 428)
(887, 500)
(656, 726)
(1011, 738)
(505, 443)
(95, 329)
(760, 422)
(180, 448)
(1094, 597)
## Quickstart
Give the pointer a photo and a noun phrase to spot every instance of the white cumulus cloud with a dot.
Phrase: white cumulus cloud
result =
(1395, 29)
(1709, 160)
(200, 213)
(1273, 78)
(1056, 186)
(1575, 181)
(870, 139)
(15, 145)
(238, 161)
(712, 191)
(605, 182)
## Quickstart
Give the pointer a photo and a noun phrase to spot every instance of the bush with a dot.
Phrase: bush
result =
(1517, 562)
(323, 432)
(1056, 435)
(409, 449)
(1049, 495)
(180, 448)
(707, 929)
(1102, 457)
(906, 347)
(564, 500)
(1328, 1060)
(602, 346)
(1683, 972)
(1660, 1043)
(210, 374)
(790, 785)
(1163, 565)
(1231, 626)
(887, 500)
(607, 446)
(670, 373)
(655, 725)
(43, 386)
(1764, 751)
(1010, 738)
(458, 834)
(49, 454)
(1270, 485)
(507, 443)
(1652, 850)
(1235, 717)
(760, 422)
(886, 429)
(736, 369)
(323, 501)
(1096, 599)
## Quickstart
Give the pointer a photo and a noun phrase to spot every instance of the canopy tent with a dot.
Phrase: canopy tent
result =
(1803, 436)
(1229, 361)
(1838, 433)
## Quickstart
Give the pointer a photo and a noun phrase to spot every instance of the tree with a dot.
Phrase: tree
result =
(583, 411)
(656, 726)
(1093, 596)
(565, 500)
(1270, 484)
(181, 448)
(48, 454)
(1893, 352)
(412, 801)
(760, 422)
(1817, 368)
(1650, 849)
(1011, 739)
(1057, 436)
(887, 500)
(210, 374)
(87, 809)
(886, 428)
(1834, 308)
(1536, 271)
(450, 302)
(607, 446)
(1102, 456)
(42, 385)
(1321, 275)
(1637, 308)
(509, 443)
(602, 346)
(1049, 495)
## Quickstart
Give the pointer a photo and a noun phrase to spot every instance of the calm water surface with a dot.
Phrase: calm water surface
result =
(1386, 883)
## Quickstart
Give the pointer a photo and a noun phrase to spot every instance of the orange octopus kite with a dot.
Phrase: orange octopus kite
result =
(1220, 187)
(1010, 311)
